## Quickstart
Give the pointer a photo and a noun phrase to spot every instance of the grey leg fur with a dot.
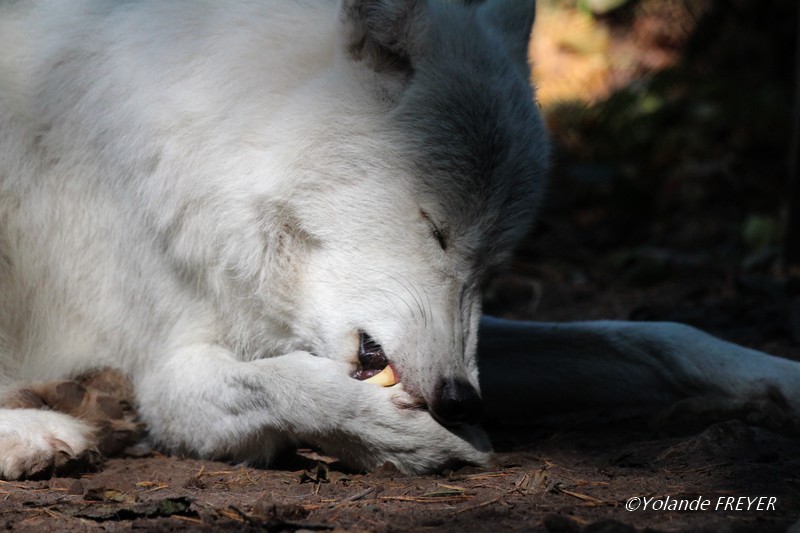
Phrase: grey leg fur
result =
(532, 368)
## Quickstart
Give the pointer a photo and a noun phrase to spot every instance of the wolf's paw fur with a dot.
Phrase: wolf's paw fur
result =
(769, 409)
(103, 398)
(59, 426)
(36, 443)
(409, 437)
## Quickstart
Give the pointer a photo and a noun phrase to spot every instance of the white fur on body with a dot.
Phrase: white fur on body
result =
(203, 194)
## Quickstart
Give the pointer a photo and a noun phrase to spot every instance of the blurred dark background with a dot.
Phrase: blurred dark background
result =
(672, 123)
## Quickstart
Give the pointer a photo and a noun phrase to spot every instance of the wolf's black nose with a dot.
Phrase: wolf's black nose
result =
(456, 402)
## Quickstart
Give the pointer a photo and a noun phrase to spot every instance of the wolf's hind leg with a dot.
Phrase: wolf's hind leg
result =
(36, 442)
(532, 368)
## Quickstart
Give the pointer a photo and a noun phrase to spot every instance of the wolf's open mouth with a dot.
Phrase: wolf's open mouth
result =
(373, 362)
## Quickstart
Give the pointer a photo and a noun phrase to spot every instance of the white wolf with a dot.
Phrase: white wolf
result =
(245, 205)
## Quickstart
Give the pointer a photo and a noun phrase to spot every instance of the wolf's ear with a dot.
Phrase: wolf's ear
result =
(513, 19)
(386, 35)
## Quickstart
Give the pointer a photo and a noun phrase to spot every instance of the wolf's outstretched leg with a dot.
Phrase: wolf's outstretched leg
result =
(532, 368)
(35, 442)
(202, 400)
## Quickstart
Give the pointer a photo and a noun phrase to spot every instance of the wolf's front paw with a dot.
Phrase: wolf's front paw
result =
(35, 442)
(389, 428)
(426, 446)
(365, 424)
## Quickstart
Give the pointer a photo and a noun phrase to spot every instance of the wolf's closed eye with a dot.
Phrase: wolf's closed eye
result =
(436, 231)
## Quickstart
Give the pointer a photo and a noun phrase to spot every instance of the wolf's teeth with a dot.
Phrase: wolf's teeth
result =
(384, 378)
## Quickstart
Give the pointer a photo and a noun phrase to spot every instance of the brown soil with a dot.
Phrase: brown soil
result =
(565, 481)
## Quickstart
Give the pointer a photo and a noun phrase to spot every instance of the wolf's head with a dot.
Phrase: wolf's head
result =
(428, 173)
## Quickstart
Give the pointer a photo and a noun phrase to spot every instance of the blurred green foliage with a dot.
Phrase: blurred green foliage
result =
(694, 156)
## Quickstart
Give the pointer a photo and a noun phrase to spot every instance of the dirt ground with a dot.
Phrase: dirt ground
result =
(569, 480)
